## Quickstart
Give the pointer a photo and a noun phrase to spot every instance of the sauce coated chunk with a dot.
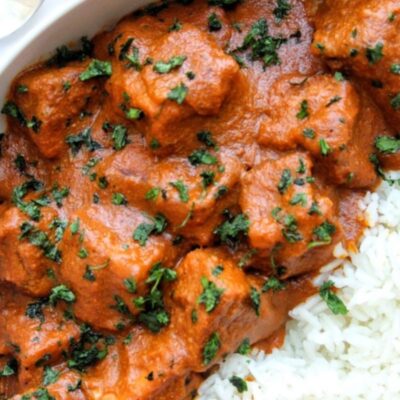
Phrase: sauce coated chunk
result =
(178, 75)
(191, 193)
(105, 267)
(52, 104)
(327, 117)
(365, 41)
(291, 221)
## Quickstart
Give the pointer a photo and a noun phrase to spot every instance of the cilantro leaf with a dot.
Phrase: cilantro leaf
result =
(285, 181)
(239, 383)
(387, 144)
(202, 156)
(244, 348)
(303, 112)
(164, 67)
(210, 296)
(95, 69)
(178, 93)
(50, 376)
(255, 298)
(144, 230)
(211, 348)
(273, 284)
(61, 292)
(230, 231)
(334, 303)
(182, 190)
(374, 54)
(281, 10)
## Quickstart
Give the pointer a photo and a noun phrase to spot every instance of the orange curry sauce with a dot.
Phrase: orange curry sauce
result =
(169, 190)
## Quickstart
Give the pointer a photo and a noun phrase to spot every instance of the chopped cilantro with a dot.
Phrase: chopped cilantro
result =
(395, 102)
(255, 298)
(211, 348)
(244, 348)
(164, 67)
(144, 230)
(59, 194)
(118, 199)
(290, 230)
(130, 285)
(333, 100)
(202, 156)
(239, 383)
(182, 190)
(153, 194)
(207, 178)
(298, 199)
(153, 314)
(210, 296)
(334, 303)
(61, 292)
(41, 240)
(214, 23)
(374, 54)
(175, 26)
(309, 133)
(50, 376)
(324, 234)
(285, 181)
(95, 69)
(178, 93)
(387, 144)
(281, 10)
(119, 137)
(8, 370)
(325, 149)
(304, 112)
(230, 231)
(76, 142)
(395, 69)
(217, 271)
(206, 138)
(273, 284)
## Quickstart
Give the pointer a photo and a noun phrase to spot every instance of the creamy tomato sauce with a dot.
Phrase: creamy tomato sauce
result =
(169, 190)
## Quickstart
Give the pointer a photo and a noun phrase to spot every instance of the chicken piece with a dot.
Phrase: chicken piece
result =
(211, 314)
(327, 117)
(51, 102)
(30, 255)
(364, 40)
(291, 221)
(188, 75)
(191, 197)
(104, 266)
(66, 387)
(18, 159)
(33, 331)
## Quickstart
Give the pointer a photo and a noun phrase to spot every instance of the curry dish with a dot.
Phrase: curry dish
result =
(169, 188)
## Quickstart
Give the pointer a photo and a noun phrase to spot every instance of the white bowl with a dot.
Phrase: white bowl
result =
(69, 21)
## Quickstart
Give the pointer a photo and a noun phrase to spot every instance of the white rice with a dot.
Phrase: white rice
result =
(356, 356)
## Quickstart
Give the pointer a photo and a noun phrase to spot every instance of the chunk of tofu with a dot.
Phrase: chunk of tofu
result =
(56, 98)
(198, 85)
(365, 41)
(292, 223)
(29, 271)
(327, 117)
(100, 258)
(177, 188)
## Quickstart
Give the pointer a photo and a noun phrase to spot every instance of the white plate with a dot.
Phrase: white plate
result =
(79, 18)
